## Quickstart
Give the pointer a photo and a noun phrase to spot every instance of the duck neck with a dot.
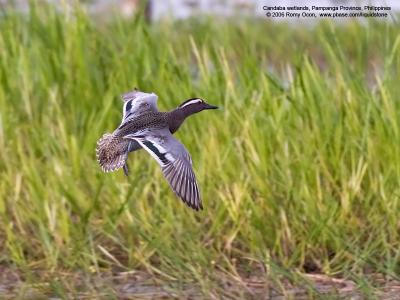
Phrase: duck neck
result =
(177, 116)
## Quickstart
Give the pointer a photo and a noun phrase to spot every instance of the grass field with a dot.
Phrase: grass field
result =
(299, 171)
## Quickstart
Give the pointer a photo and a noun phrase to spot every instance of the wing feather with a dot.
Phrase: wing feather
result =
(175, 163)
(137, 103)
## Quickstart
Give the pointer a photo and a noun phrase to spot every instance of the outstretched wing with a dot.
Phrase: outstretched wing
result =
(137, 103)
(175, 163)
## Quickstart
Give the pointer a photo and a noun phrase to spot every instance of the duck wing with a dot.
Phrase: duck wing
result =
(138, 103)
(175, 163)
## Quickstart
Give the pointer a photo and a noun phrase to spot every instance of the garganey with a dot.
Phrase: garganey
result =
(143, 126)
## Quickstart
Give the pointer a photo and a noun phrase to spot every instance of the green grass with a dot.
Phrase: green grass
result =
(299, 171)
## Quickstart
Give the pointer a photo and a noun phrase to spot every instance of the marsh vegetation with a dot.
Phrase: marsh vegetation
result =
(299, 171)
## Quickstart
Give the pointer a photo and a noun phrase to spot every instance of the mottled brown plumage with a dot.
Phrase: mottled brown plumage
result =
(112, 151)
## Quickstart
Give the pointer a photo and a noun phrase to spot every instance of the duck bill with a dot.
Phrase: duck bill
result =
(208, 106)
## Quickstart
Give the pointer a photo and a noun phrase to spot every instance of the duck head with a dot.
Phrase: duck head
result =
(195, 105)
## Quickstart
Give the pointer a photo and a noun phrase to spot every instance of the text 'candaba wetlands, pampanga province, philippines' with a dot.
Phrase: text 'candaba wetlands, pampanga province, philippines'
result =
(328, 8)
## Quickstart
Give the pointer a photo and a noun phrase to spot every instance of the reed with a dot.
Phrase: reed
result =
(299, 171)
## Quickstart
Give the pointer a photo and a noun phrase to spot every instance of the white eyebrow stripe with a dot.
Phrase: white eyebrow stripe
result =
(192, 102)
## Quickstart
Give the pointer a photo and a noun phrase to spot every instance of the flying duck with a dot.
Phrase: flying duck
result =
(143, 126)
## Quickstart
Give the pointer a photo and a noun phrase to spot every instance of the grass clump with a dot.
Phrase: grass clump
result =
(299, 170)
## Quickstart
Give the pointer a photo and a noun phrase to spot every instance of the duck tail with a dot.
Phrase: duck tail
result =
(111, 152)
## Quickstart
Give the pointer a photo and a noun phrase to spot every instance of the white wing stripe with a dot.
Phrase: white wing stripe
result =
(156, 151)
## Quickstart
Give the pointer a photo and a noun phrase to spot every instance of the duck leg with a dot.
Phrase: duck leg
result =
(132, 146)
(126, 170)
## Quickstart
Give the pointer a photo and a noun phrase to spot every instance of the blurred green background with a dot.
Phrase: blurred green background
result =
(299, 170)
